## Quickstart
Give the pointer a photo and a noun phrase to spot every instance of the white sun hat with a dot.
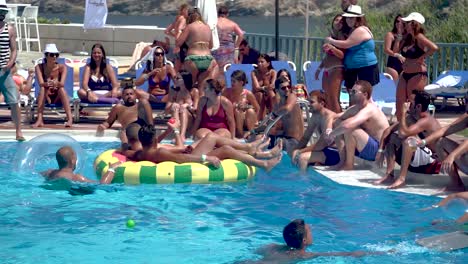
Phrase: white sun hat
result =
(415, 16)
(51, 48)
(3, 5)
(353, 11)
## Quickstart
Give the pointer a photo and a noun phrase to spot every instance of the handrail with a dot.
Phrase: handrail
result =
(451, 56)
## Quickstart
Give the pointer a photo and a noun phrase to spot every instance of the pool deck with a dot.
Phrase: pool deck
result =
(363, 176)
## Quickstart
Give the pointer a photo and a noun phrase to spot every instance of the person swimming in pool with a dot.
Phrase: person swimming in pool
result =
(66, 159)
(298, 235)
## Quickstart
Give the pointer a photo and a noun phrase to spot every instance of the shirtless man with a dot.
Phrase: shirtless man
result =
(66, 159)
(245, 105)
(127, 113)
(199, 38)
(412, 159)
(291, 126)
(228, 50)
(298, 236)
(362, 125)
(321, 122)
(204, 151)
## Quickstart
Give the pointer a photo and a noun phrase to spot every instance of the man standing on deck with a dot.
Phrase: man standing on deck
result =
(7, 61)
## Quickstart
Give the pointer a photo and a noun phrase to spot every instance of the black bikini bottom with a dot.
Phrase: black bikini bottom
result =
(408, 76)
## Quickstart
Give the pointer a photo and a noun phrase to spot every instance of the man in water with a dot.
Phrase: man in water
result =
(127, 113)
(66, 159)
(321, 121)
(291, 126)
(298, 235)
(7, 62)
(361, 126)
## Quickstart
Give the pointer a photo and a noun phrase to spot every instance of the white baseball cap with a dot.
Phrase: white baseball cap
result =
(415, 16)
(353, 11)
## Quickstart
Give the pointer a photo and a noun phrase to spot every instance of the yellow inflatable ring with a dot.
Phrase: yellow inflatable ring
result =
(130, 172)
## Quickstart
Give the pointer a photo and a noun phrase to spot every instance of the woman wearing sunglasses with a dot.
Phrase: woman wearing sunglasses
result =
(51, 77)
(158, 73)
(99, 83)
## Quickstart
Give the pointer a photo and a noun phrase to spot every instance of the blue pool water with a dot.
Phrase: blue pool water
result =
(219, 223)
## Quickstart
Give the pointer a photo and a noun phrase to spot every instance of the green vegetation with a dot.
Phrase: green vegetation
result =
(445, 19)
(43, 20)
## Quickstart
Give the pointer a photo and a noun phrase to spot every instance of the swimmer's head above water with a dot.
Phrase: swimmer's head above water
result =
(66, 157)
(297, 234)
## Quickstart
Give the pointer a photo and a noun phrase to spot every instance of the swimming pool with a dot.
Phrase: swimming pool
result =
(218, 223)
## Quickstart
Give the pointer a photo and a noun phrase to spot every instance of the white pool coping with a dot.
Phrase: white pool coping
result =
(364, 174)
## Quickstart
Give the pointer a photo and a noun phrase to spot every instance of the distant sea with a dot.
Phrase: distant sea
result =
(291, 26)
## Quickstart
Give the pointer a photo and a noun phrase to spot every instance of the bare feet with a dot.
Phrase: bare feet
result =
(388, 178)
(263, 143)
(276, 150)
(39, 123)
(271, 163)
(69, 123)
(397, 184)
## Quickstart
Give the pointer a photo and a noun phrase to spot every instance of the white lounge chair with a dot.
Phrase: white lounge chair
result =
(450, 84)
(384, 95)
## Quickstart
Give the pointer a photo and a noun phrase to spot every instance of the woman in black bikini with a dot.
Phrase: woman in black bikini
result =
(415, 48)
(392, 47)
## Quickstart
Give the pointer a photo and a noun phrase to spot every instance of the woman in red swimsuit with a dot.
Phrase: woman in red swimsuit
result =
(215, 113)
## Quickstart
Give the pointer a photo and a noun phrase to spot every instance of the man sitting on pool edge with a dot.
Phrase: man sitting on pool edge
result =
(66, 159)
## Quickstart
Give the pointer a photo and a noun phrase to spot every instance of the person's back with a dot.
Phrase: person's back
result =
(66, 159)
(199, 38)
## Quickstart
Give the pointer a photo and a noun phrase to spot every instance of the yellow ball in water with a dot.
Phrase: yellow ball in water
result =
(130, 223)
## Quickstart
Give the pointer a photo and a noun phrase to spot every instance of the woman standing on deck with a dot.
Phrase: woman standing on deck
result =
(51, 77)
(392, 47)
(263, 84)
(158, 73)
(99, 84)
(174, 30)
(215, 113)
(415, 48)
(199, 38)
(360, 61)
(333, 67)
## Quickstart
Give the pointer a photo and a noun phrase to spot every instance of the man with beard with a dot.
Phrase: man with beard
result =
(7, 61)
(127, 113)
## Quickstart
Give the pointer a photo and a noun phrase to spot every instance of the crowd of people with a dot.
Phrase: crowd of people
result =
(197, 98)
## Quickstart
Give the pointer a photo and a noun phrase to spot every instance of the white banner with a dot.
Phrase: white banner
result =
(95, 14)
(210, 16)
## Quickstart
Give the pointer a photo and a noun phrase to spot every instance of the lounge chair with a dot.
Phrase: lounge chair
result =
(69, 83)
(309, 68)
(450, 84)
(384, 95)
(247, 68)
(286, 65)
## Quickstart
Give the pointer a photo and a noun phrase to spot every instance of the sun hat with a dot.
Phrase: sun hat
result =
(51, 48)
(353, 11)
(3, 5)
(415, 16)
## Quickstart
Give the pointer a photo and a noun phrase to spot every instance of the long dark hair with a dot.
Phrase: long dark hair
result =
(150, 64)
(103, 65)
(267, 58)
(394, 30)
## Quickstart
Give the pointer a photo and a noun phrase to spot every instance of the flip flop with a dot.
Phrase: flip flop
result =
(20, 139)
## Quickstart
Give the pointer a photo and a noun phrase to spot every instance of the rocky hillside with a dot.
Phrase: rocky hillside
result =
(237, 7)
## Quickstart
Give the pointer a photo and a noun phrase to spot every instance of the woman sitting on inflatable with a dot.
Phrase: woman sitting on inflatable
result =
(210, 149)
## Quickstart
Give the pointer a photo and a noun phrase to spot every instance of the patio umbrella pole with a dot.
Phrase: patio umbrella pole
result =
(276, 28)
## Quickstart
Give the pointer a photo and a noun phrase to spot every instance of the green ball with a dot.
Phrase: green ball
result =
(130, 223)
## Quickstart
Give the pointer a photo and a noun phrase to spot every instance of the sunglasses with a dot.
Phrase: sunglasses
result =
(157, 54)
(53, 55)
(241, 49)
(353, 92)
(284, 87)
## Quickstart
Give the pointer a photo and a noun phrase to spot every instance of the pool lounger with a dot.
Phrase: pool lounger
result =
(446, 242)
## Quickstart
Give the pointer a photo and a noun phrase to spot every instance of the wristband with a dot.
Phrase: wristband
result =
(203, 157)
(111, 170)
(423, 142)
(145, 76)
(328, 131)
(434, 206)
(176, 131)
(380, 150)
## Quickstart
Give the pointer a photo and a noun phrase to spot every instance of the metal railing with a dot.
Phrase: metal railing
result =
(451, 56)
